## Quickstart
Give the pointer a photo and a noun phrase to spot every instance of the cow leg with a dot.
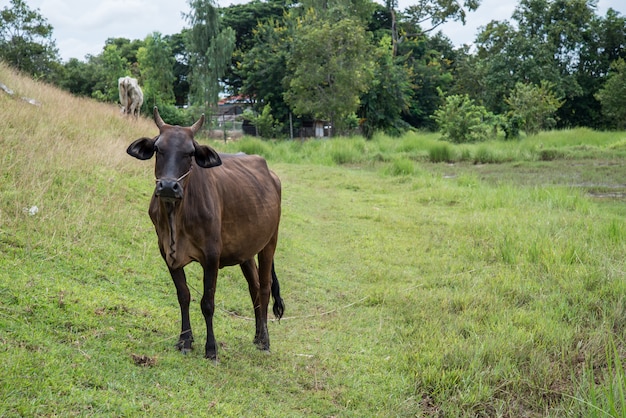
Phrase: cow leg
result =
(251, 273)
(266, 257)
(207, 304)
(184, 298)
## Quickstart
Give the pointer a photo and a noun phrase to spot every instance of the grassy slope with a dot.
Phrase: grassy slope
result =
(448, 291)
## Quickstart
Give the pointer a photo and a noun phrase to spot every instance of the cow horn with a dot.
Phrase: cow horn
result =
(157, 118)
(196, 126)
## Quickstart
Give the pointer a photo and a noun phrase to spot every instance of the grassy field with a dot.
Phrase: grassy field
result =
(420, 278)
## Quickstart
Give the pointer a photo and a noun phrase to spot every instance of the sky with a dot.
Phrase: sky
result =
(81, 27)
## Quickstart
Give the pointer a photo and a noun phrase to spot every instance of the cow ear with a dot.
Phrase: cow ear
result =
(142, 148)
(206, 157)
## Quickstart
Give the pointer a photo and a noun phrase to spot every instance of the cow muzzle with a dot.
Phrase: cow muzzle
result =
(170, 189)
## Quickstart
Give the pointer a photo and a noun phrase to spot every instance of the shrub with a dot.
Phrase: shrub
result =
(460, 120)
(533, 107)
(266, 125)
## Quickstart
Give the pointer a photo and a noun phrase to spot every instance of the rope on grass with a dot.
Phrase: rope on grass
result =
(236, 315)
(247, 318)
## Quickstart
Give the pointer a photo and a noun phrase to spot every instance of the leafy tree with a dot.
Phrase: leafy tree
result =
(108, 68)
(264, 67)
(437, 12)
(360, 10)
(156, 63)
(425, 12)
(210, 47)
(388, 97)
(508, 56)
(460, 120)
(429, 61)
(549, 41)
(245, 19)
(603, 46)
(176, 43)
(613, 96)
(534, 106)
(328, 68)
(76, 77)
(128, 50)
(26, 40)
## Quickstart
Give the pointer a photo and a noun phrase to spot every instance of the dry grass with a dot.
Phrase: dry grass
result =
(61, 132)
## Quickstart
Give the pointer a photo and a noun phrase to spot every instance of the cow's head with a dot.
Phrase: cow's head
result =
(175, 149)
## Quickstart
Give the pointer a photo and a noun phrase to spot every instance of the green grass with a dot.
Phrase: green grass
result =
(413, 288)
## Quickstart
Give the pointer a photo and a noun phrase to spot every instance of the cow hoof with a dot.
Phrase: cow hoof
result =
(184, 346)
(211, 356)
(263, 346)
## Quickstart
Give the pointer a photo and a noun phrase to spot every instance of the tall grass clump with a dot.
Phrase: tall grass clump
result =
(401, 167)
(440, 153)
(345, 151)
(254, 146)
(603, 394)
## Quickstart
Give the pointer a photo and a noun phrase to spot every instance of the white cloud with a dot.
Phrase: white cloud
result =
(82, 27)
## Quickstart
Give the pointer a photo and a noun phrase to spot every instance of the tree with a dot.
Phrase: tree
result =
(550, 41)
(156, 63)
(264, 67)
(26, 40)
(429, 61)
(245, 19)
(176, 43)
(613, 96)
(432, 13)
(108, 68)
(388, 97)
(328, 68)
(437, 12)
(534, 106)
(210, 48)
(603, 46)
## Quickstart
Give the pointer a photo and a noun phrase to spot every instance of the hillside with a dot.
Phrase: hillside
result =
(412, 288)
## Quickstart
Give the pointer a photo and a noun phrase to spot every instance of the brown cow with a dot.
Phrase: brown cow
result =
(216, 209)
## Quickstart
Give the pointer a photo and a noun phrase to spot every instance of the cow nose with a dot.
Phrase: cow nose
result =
(169, 189)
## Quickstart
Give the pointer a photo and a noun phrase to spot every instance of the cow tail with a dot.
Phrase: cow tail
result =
(279, 305)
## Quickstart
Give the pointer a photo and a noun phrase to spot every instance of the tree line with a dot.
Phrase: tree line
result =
(357, 64)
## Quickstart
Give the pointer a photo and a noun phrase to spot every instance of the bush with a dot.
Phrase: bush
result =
(533, 107)
(461, 121)
(266, 125)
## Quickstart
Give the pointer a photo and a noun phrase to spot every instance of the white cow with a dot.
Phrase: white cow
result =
(131, 96)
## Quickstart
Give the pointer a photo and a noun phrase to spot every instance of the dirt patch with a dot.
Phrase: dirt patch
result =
(145, 361)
